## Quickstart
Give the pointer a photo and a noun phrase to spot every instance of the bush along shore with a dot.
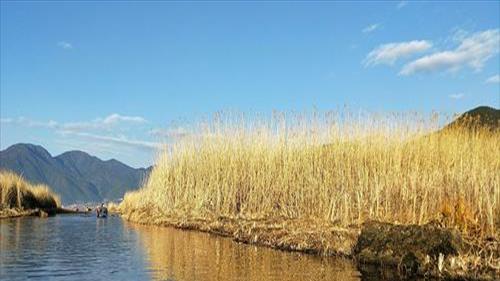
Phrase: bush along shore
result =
(386, 191)
(20, 198)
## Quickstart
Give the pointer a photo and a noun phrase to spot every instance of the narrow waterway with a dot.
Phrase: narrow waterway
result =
(77, 247)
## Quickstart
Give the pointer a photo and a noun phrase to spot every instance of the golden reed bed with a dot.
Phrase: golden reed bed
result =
(19, 197)
(233, 175)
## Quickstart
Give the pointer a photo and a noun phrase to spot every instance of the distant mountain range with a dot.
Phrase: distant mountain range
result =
(75, 175)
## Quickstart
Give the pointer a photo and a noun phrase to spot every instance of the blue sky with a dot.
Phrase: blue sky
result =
(116, 78)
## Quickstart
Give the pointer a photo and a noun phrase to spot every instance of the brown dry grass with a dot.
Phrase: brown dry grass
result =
(340, 171)
(15, 192)
(113, 207)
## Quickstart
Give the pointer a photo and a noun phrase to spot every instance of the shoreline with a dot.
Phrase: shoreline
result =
(409, 250)
(405, 251)
(37, 212)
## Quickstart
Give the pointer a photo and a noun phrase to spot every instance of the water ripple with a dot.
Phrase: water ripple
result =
(69, 247)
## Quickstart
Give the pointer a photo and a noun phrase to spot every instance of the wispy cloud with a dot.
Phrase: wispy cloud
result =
(172, 133)
(107, 122)
(457, 96)
(116, 118)
(493, 79)
(23, 121)
(89, 146)
(391, 52)
(120, 140)
(370, 28)
(91, 130)
(401, 4)
(119, 135)
(473, 51)
(65, 45)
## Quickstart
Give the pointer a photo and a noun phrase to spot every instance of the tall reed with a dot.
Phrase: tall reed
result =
(15, 192)
(339, 167)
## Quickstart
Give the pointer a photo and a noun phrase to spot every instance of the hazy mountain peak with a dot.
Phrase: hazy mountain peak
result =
(75, 175)
(74, 153)
(29, 148)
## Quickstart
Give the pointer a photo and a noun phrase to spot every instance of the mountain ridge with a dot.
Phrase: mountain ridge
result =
(479, 117)
(75, 175)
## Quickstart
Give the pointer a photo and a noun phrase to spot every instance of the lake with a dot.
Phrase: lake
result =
(76, 247)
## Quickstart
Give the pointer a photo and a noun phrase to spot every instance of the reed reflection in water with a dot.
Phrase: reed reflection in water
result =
(188, 255)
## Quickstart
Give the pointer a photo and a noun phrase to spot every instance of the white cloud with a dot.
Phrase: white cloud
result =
(82, 126)
(114, 133)
(89, 147)
(65, 45)
(458, 35)
(106, 123)
(120, 140)
(473, 51)
(401, 4)
(90, 129)
(23, 121)
(390, 53)
(370, 28)
(457, 96)
(493, 79)
(116, 118)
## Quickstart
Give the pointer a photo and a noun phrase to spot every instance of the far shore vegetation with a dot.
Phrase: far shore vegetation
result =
(19, 197)
(300, 182)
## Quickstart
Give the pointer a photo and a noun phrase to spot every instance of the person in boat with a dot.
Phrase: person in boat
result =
(102, 211)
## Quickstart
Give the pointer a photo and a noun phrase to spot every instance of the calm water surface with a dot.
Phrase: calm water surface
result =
(72, 247)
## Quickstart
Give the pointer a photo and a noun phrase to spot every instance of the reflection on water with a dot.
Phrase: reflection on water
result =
(188, 255)
(74, 247)
(70, 248)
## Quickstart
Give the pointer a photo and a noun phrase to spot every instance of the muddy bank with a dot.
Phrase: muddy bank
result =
(17, 212)
(305, 235)
(406, 251)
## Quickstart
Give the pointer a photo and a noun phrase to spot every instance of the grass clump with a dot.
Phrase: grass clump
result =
(17, 193)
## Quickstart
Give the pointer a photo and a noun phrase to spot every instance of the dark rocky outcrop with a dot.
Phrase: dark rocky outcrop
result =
(412, 249)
